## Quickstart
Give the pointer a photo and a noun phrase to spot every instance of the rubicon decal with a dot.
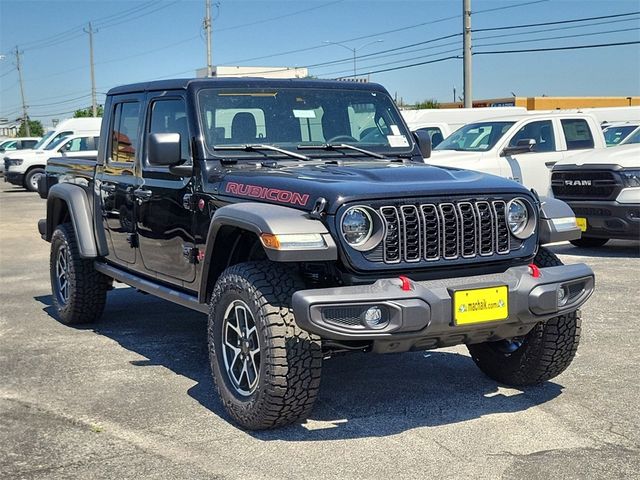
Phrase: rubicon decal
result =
(273, 194)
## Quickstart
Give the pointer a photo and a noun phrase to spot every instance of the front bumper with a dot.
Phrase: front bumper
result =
(422, 317)
(14, 178)
(609, 219)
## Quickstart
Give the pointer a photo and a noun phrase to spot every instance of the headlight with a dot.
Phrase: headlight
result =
(357, 226)
(520, 218)
(12, 162)
(630, 178)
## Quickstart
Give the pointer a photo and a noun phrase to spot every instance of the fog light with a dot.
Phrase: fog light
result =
(374, 317)
(563, 296)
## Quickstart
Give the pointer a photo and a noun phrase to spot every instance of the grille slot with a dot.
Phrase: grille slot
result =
(447, 230)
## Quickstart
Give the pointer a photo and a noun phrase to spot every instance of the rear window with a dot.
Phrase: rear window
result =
(577, 134)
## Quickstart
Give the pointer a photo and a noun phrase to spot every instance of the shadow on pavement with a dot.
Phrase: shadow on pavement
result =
(362, 395)
(612, 249)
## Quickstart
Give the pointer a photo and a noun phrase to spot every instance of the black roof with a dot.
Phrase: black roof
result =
(248, 82)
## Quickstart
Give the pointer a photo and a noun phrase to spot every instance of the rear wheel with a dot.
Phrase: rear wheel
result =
(266, 369)
(79, 290)
(543, 353)
(589, 242)
(32, 178)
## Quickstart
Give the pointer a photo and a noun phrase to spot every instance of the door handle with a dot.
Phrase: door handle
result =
(143, 195)
(105, 187)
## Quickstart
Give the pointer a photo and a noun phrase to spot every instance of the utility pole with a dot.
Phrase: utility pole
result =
(207, 27)
(466, 35)
(25, 116)
(94, 105)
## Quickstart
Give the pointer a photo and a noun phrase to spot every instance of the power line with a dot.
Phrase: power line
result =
(395, 30)
(577, 35)
(552, 49)
(265, 20)
(130, 18)
(559, 22)
(438, 60)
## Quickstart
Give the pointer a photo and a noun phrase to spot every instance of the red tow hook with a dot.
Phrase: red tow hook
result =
(534, 270)
(406, 283)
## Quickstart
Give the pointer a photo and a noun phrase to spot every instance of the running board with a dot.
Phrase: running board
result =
(166, 293)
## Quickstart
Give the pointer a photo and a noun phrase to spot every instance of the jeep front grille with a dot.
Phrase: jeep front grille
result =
(445, 231)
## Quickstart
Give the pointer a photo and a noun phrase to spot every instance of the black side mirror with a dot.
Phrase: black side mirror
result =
(522, 146)
(424, 143)
(164, 149)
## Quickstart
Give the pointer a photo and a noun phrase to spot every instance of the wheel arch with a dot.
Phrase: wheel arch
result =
(235, 231)
(69, 203)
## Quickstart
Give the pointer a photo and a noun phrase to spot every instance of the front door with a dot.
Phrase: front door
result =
(164, 217)
(117, 179)
(533, 169)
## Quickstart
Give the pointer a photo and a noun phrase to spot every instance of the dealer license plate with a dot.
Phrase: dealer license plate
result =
(582, 224)
(480, 305)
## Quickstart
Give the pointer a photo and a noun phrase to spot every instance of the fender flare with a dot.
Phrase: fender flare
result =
(550, 209)
(261, 218)
(80, 212)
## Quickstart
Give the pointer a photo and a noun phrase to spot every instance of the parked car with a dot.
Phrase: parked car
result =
(19, 143)
(603, 189)
(25, 168)
(439, 123)
(617, 133)
(520, 147)
(302, 232)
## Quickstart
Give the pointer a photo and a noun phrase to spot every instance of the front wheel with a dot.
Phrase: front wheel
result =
(265, 368)
(589, 242)
(32, 178)
(543, 353)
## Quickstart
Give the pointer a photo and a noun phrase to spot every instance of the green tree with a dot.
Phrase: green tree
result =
(88, 112)
(429, 103)
(34, 125)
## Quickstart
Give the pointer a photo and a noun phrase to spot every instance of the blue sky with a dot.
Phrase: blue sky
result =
(161, 39)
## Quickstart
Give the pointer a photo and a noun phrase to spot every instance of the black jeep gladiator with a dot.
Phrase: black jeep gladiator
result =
(299, 215)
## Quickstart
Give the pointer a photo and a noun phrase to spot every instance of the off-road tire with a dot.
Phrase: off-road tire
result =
(290, 358)
(589, 242)
(87, 287)
(29, 176)
(546, 351)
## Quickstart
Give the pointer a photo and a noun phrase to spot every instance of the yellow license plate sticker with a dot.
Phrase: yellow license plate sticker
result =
(480, 305)
(582, 224)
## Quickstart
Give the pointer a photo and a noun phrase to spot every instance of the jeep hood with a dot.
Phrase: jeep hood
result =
(299, 185)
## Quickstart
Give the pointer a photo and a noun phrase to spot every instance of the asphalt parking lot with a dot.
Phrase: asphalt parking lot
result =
(131, 396)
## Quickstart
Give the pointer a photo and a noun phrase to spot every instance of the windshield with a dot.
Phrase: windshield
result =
(475, 137)
(56, 143)
(292, 117)
(635, 138)
(43, 139)
(614, 135)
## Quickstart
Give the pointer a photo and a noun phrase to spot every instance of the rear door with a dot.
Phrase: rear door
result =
(533, 169)
(118, 178)
(164, 216)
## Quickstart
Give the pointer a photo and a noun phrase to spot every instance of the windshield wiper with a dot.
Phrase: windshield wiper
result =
(340, 146)
(258, 147)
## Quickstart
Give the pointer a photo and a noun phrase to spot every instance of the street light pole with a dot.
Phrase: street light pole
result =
(94, 103)
(466, 47)
(354, 51)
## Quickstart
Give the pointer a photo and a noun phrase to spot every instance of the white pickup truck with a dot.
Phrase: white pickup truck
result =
(520, 147)
(603, 189)
(25, 167)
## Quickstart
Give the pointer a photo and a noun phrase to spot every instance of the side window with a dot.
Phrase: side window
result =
(124, 132)
(28, 143)
(541, 132)
(11, 146)
(577, 134)
(170, 116)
